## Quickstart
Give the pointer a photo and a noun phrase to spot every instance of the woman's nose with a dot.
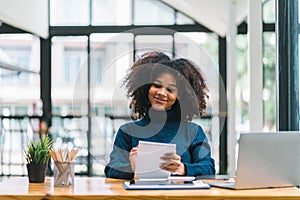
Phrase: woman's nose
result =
(162, 91)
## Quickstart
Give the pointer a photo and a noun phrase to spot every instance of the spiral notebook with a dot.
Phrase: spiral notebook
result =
(148, 160)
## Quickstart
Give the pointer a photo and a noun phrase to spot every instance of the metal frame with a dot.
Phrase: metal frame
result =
(287, 27)
(223, 162)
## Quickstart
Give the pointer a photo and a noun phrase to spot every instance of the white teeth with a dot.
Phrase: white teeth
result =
(159, 99)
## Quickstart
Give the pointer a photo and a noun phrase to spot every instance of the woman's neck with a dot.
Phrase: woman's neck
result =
(162, 115)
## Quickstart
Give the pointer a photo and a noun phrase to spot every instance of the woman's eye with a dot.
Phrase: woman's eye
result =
(157, 85)
(170, 90)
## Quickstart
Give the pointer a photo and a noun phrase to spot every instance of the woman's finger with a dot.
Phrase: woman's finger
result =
(172, 156)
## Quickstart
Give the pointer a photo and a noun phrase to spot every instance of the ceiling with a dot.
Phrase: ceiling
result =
(213, 14)
(29, 15)
(32, 15)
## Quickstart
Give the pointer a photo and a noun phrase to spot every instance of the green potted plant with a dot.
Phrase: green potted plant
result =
(37, 157)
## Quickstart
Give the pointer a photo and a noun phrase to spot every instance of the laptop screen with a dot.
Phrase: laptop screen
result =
(268, 159)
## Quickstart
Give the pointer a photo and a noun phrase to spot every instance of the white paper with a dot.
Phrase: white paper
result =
(148, 159)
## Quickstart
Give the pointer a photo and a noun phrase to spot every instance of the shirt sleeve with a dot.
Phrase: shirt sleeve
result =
(119, 164)
(201, 161)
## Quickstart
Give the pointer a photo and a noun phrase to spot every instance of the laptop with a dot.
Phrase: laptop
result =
(266, 160)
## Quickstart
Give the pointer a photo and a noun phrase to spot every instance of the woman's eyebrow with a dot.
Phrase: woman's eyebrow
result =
(173, 85)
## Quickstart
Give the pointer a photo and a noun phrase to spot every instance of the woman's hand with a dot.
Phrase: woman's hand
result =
(132, 157)
(172, 163)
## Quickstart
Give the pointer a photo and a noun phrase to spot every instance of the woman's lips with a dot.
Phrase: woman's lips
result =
(159, 100)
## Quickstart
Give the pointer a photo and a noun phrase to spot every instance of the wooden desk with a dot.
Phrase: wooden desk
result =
(101, 188)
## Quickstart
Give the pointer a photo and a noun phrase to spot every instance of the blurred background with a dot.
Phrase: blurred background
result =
(64, 65)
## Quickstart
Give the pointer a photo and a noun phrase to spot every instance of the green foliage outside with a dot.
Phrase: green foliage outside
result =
(269, 80)
(269, 93)
(242, 83)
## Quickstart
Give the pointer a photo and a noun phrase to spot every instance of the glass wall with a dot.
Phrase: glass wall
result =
(20, 105)
(95, 65)
(114, 12)
(158, 13)
(269, 75)
(87, 70)
(109, 58)
(69, 12)
(19, 76)
(111, 12)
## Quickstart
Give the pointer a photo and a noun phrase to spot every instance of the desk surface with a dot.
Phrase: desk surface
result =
(102, 188)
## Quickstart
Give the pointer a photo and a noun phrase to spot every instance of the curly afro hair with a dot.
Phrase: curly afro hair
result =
(137, 82)
(193, 91)
(194, 94)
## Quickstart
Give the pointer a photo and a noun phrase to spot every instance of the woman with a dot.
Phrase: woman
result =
(165, 97)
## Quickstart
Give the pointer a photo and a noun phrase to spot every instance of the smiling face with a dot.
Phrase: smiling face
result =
(163, 92)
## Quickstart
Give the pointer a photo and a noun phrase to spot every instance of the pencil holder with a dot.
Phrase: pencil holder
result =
(63, 174)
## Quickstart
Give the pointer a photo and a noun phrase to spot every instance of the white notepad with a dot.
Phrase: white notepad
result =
(148, 159)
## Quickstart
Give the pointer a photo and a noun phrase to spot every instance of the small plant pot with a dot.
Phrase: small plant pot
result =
(36, 173)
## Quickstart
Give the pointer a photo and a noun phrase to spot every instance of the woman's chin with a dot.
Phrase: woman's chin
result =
(158, 107)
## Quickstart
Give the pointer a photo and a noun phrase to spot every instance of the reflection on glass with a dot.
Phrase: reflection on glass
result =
(269, 11)
(19, 52)
(69, 73)
(269, 82)
(19, 86)
(242, 86)
(152, 12)
(71, 132)
(69, 12)
(111, 12)
(110, 57)
(145, 43)
(202, 49)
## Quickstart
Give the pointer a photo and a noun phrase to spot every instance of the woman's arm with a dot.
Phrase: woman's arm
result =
(201, 161)
(119, 164)
(193, 161)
